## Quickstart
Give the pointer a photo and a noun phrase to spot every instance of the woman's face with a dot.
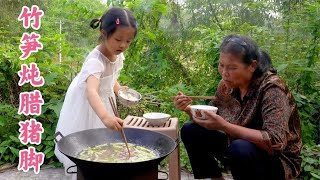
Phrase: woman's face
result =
(234, 72)
(120, 40)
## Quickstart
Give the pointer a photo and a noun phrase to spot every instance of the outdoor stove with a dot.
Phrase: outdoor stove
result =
(150, 174)
(170, 128)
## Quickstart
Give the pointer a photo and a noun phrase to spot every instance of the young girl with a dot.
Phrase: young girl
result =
(86, 105)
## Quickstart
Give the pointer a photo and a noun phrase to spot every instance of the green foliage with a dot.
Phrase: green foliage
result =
(57, 78)
(311, 162)
(309, 113)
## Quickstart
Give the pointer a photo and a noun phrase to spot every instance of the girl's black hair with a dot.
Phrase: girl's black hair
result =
(114, 18)
(245, 46)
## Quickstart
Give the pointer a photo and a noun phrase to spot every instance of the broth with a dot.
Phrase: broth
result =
(128, 96)
(117, 153)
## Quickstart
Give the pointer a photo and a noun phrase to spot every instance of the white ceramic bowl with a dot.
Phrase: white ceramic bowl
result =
(156, 119)
(129, 97)
(197, 112)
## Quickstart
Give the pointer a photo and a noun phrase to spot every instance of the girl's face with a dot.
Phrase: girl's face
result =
(120, 40)
(234, 72)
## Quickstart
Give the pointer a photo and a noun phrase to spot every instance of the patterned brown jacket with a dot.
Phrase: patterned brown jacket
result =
(269, 107)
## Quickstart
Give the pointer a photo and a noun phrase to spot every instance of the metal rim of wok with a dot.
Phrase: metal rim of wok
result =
(72, 144)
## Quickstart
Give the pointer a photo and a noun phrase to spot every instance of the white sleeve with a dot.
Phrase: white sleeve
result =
(122, 56)
(91, 67)
(119, 66)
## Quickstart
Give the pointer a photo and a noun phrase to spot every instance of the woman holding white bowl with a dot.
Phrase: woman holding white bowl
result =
(256, 112)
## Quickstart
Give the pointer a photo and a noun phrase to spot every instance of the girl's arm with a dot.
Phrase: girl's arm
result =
(116, 87)
(97, 105)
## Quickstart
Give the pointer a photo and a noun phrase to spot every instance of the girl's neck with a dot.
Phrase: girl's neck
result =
(107, 53)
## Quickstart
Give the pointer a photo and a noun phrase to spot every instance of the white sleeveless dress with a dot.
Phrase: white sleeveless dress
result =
(76, 113)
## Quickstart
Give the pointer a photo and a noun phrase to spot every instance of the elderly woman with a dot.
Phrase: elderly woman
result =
(257, 125)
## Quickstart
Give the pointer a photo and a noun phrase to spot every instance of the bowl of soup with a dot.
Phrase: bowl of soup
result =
(156, 118)
(197, 110)
(129, 97)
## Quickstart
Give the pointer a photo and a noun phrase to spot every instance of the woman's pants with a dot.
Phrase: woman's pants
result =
(246, 160)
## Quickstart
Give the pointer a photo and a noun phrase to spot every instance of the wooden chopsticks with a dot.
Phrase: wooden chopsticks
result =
(196, 97)
(116, 113)
(114, 108)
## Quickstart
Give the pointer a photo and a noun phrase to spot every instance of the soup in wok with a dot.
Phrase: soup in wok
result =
(117, 153)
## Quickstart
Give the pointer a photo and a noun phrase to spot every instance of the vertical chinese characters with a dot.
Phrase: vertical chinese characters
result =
(31, 75)
(30, 131)
(30, 102)
(29, 158)
(35, 15)
(30, 42)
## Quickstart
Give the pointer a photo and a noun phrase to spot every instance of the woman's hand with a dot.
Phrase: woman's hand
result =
(182, 103)
(212, 121)
(216, 122)
(113, 123)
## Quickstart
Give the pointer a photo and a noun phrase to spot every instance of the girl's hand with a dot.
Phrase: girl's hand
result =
(182, 103)
(212, 122)
(124, 87)
(113, 123)
(118, 87)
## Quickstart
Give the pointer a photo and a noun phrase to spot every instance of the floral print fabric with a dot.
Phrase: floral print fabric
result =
(269, 107)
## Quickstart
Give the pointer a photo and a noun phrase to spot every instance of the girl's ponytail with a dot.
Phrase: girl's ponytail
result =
(112, 19)
(95, 23)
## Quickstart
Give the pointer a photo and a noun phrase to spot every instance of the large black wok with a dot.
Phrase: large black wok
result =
(72, 144)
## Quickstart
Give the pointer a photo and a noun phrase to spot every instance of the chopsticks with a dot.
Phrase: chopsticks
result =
(196, 97)
(116, 113)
